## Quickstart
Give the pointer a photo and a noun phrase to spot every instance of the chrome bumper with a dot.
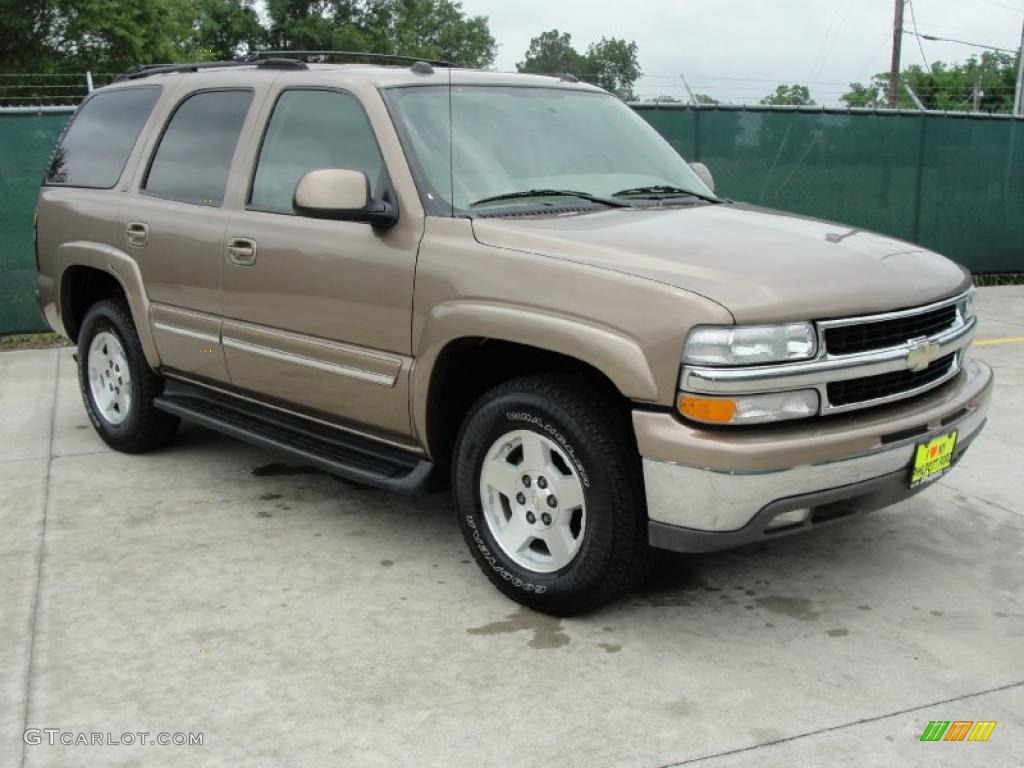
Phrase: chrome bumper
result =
(737, 507)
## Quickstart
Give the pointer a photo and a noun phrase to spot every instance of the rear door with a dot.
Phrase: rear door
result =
(174, 222)
(318, 312)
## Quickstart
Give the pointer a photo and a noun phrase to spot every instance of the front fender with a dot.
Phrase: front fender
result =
(123, 268)
(617, 355)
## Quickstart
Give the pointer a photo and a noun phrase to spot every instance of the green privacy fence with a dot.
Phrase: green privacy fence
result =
(950, 181)
(26, 139)
(954, 183)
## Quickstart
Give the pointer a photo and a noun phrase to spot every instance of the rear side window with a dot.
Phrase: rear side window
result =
(95, 147)
(311, 130)
(192, 163)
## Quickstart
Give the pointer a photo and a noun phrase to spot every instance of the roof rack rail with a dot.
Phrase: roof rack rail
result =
(257, 55)
(145, 70)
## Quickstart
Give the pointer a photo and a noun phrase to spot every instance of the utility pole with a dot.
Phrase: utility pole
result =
(1018, 99)
(693, 99)
(976, 95)
(897, 42)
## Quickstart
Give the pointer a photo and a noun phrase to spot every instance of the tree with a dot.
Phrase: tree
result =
(700, 98)
(303, 25)
(611, 63)
(795, 95)
(551, 53)
(433, 29)
(224, 29)
(26, 36)
(72, 36)
(947, 86)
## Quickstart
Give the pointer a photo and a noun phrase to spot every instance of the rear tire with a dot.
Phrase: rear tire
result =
(549, 493)
(117, 384)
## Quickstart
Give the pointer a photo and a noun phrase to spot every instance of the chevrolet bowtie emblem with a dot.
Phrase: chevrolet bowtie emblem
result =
(920, 354)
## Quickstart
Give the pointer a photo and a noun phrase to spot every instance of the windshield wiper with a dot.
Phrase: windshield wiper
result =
(659, 191)
(552, 193)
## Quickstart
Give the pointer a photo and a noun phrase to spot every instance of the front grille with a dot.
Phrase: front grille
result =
(885, 384)
(864, 337)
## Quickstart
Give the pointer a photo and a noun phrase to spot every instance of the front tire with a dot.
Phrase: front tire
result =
(117, 384)
(549, 493)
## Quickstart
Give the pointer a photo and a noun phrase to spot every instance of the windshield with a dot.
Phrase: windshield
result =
(492, 142)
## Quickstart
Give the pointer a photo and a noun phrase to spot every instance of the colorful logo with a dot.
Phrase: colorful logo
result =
(958, 730)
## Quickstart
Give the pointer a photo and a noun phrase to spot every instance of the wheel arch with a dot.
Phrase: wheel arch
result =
(89, 272)
(455, 367)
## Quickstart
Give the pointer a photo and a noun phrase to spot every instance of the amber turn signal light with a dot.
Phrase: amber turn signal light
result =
(714, 410)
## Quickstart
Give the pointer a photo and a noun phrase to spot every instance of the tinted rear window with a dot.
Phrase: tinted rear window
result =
(95, 147)
(194, 157)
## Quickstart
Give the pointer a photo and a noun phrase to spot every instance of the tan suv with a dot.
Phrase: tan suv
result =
(384, 271)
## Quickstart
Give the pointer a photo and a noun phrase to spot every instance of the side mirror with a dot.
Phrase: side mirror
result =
(333, 193)
(704, 175)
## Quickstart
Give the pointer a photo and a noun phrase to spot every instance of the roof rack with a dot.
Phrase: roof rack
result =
(257, 55)
(145, 70)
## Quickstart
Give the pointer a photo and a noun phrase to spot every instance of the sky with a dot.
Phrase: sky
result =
(739, 50)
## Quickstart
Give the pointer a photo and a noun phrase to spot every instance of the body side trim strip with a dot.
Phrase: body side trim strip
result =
(372, 377)
(167, 328)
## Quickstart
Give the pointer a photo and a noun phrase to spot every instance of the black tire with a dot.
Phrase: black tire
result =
(144, 427)
(591, 425)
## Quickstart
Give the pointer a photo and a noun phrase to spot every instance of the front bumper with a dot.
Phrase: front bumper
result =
(717, 489)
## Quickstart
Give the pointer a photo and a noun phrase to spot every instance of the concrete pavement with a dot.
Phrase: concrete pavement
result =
(294, 619)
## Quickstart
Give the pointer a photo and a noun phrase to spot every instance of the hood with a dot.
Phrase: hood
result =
(761, 265)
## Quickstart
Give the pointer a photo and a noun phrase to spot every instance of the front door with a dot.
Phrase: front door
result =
(317, 313)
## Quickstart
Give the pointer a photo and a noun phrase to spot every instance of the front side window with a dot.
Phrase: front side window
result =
(95, 147)
(311, 130)
(193, 160)
(476, 143)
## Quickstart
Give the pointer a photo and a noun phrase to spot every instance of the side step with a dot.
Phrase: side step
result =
(349, 456)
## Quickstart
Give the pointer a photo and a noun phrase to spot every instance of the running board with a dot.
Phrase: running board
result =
(349, 456)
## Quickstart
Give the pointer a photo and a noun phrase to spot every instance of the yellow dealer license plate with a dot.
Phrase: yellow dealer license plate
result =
(932, 459)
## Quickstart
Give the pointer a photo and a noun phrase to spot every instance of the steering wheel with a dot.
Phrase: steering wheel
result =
(576, 161)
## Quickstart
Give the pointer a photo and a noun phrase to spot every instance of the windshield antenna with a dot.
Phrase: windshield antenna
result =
(451, 144)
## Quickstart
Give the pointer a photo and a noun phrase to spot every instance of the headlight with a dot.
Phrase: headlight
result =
(967, 306)
(749, 409)
(750, 345)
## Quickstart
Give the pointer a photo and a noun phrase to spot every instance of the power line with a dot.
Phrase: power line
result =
(832, 40)
(937, 39)
(920, 45)
(1003, 5)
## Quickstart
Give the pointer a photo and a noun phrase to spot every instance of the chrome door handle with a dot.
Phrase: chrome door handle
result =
(137, 233)
(242, 251)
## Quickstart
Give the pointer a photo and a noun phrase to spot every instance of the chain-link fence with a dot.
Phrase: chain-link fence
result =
(954, 183)
(33, 90)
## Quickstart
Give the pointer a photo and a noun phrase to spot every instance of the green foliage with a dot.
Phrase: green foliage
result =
(433, 29)
(795, 95)
(612, 63)
(947, 86)
(551, 53)
(224, 29)
(700, 98)
(54, 36)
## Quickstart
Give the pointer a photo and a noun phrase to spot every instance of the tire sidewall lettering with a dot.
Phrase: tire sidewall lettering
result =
(555, 434)
(498, 568)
